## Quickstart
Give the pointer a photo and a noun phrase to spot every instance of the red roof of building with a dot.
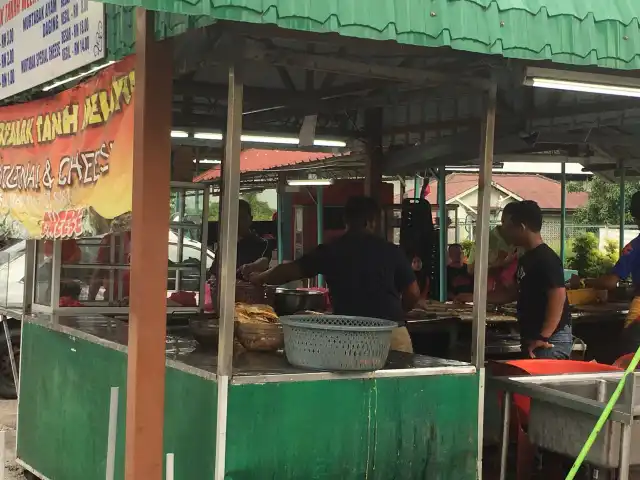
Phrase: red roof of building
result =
(543, 190)
(254, 160)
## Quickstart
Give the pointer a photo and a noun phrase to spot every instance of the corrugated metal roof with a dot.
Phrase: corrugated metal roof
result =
(580, 32)
(543, 190)
(255, 160)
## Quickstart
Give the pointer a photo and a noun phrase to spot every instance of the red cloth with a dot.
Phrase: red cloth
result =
(70, 250)
(69, 302)
(183, 298)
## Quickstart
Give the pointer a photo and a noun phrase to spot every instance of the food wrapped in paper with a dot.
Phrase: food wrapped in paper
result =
(246, 313)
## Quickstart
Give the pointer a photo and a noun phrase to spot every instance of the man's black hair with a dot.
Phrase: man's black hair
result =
(527, 213)
(508, 208)
(360, 210)
(634, 207)
(244, 207)
(456, 245)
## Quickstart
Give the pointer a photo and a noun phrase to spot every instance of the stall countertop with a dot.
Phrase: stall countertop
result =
(183, 353)
(12, 311)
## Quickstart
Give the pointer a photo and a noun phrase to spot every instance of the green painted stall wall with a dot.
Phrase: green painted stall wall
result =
(402, 428)
(190, 424)
(63, 415)
(397, 428)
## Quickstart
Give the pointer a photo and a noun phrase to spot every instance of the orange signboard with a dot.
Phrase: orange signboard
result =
(66, 161)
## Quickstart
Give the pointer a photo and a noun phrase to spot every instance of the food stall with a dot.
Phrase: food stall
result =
(233, 414)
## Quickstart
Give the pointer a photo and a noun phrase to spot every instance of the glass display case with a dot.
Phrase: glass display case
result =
(92, 273)
(12, 265)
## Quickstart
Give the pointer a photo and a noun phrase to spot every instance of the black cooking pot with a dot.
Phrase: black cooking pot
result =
(291, 301)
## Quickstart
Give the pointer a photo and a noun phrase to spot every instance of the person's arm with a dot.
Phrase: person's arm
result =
(405, 280)
(556, 298)
(307, 266)
(260, 265)
(278, 275)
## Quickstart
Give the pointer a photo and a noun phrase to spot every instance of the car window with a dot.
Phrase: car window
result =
(189, 253)
(12, 252)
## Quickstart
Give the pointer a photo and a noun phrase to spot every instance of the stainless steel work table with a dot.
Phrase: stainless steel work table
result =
(183, 353)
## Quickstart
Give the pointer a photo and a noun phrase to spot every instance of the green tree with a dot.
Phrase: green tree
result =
(261, 210)
(603, 204)
(588, 260)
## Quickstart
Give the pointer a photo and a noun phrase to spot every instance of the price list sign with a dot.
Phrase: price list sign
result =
(41, 40)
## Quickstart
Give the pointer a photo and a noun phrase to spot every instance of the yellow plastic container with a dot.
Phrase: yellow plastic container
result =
(586, 296)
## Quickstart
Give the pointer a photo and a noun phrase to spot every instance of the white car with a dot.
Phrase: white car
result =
(12, 269)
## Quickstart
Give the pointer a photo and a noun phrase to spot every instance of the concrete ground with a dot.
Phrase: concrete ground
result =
(8, 413)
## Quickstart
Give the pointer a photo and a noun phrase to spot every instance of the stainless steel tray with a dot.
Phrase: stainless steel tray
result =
(565, 430)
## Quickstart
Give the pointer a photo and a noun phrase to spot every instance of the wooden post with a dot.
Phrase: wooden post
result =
(373, 129)
(373, 176)
(149, 251)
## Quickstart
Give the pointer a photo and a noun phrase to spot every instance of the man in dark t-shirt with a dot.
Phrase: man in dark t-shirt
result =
(543, 309)
(366, 275)
(253, 254)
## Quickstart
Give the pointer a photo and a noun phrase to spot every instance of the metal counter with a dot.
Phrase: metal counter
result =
(183, 353)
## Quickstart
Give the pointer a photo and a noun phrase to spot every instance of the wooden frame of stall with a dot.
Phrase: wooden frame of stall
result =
(145, 349)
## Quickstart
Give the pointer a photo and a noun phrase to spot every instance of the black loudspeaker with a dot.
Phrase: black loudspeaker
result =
(419, 239)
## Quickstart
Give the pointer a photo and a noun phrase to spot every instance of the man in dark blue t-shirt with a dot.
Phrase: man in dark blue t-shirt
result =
(366, 275)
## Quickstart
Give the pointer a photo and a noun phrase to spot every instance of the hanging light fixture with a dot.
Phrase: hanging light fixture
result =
(582, 82)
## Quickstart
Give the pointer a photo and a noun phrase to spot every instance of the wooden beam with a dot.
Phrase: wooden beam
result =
(150, 224)
(350, 67)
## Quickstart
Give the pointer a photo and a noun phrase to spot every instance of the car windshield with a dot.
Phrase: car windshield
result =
(12, 252)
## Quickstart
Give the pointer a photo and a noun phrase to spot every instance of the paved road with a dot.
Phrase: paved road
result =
(8, 410)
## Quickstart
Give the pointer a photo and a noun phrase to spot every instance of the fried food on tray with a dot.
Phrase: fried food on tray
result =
(255, 313)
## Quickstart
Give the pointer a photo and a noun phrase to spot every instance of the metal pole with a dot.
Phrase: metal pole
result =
(625, 451)
(442, 215)
(56, 267)
(204, 250)
(12, 357)
(279, 217)
(482, 237)
(182, 200)
(320, 223)
(504, 446)
(563, 212)
(112, 433)
(227, 264)
(482, 262)
(623, 207)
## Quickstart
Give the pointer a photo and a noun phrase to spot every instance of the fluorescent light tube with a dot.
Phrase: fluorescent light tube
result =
(309, 182)
(179, 134)
(571, 86)
(252, 138)
(206, 160)
(77, 77)
(207, 136)
(329, 143)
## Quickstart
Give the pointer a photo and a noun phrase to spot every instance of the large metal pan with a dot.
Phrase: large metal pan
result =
(291, 301)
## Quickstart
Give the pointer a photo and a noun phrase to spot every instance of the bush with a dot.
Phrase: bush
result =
(467, 246)
(588, 260)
